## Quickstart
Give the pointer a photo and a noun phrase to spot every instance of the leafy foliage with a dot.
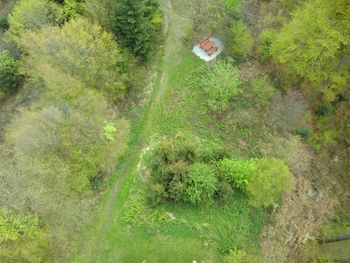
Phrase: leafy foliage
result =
(270, 179)
(266, 38)
(80, 50)
(242, 39)
(237, 172)
(235, 256)
(315, 46)
(201, 184)
(10, 79)
(220, 84)
(22, 239)
(67, 141)
(30, 15)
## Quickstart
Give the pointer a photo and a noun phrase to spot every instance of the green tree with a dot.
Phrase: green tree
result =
(237, 172)
(10, 79)
(132, 24)
(219, 82)
(316, 45)
(22, 239)
(270, 179)
(242, 39)
(28, 15)
(201, 184)
(81, 50)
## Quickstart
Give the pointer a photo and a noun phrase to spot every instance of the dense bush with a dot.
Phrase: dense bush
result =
(237, 172)
(201, 183)
(170, 163)
(10, 79)
(270, 179)
(242, 39)
(219, 83)
(266, 39)
(261, 90)
(325, 110)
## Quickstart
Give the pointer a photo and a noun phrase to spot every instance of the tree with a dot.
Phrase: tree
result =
(316, 45)
(29, 15)
(242, 39)
(10, 79)
(270, 179)
(201, 184)
(68, 146)
(132, 24)
(80, 50)
(219, 83)
(22, 239)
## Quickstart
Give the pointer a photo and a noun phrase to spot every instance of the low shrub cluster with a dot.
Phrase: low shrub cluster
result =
(181, 172)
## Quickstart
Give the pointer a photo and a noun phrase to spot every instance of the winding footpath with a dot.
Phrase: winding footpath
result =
(93, 250)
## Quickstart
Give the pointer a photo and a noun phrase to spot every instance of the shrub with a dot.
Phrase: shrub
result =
(270, 179)
(201, 184)
(220, 84)
(325, 110)
(237, 172)
(305, 133)
(235, 256)
(4, 24)
(266, 39)
(21, 238)
(261, 90)
(224, 190)
(10, 79)
(178, 172)
(242, 39)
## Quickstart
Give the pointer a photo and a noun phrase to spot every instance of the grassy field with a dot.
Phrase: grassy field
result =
(128, 230)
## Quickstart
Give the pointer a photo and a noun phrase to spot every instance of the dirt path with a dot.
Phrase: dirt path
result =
(172, 45)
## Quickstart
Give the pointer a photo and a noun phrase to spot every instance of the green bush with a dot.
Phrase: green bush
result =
(22, 239)
(201, 184)
(242, 39)
(220, 84)
(235, 256)
(237, 172)
(4, 24)
(224, 191)
(179, 172)
(266, 39)
(10, 79)
(325, 110)
(270, 179)
(261, 90)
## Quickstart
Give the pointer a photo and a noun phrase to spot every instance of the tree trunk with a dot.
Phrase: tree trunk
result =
(335, 238)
